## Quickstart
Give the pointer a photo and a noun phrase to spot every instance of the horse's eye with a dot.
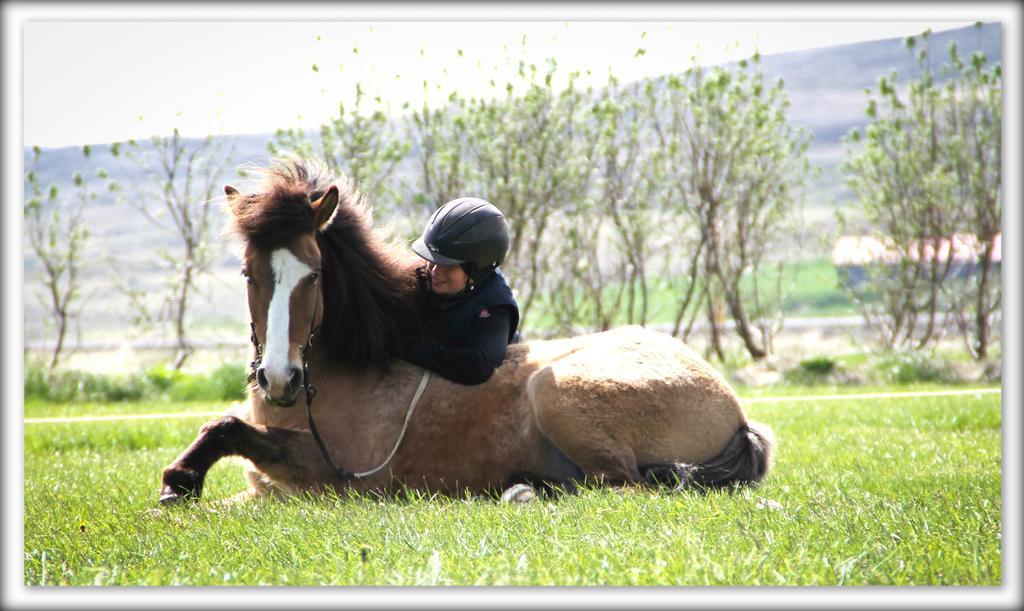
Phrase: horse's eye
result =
(314, 277)
(248, 278)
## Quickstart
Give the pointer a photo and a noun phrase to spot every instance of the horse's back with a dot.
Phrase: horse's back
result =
(638, 390)
(628, 356)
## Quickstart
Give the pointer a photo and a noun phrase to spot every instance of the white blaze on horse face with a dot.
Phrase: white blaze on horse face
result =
(288, 272)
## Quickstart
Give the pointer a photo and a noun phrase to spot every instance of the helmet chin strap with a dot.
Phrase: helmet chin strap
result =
(477, 278)
(450, 297)
(473, 281)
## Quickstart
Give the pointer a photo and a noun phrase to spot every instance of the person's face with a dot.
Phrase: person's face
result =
(447, 279)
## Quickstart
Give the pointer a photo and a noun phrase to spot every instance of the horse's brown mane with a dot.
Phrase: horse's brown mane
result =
(280, 209)
(373, 307)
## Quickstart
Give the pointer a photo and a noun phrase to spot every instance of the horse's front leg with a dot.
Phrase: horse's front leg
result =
(281, 453)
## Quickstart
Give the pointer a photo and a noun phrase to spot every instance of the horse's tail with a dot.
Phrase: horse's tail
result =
(746, 459)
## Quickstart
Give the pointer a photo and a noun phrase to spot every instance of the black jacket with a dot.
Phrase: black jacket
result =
(475, 331)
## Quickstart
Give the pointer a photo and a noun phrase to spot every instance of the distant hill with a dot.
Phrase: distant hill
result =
(825, 86)
(826, 89)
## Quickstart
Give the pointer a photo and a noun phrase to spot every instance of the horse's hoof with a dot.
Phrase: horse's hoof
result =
(180, 485)
(520, 493)
(173, 498)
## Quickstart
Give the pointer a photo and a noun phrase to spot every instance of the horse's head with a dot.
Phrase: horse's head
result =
(282, 268)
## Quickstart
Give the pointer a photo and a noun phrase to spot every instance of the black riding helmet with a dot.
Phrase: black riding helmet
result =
(467, 231)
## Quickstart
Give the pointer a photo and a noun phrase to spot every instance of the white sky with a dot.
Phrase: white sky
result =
(91, 81)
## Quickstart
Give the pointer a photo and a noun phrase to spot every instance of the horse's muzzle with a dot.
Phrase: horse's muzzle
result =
(286, 402)
(289, 390)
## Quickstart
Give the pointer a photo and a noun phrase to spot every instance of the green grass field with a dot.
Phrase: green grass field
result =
(809, 287)
(895, 491)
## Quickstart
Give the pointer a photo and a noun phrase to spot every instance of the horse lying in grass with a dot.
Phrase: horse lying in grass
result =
(333, 302)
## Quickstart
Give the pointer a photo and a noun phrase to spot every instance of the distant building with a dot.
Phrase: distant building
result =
(852, 255)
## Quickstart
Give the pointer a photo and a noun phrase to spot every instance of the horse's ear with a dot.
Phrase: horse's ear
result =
(236, 203)
(324, 207)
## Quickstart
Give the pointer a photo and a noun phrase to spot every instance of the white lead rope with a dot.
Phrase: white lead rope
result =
(405, 425)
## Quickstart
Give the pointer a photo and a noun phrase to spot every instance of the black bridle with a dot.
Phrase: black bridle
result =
(307, 388)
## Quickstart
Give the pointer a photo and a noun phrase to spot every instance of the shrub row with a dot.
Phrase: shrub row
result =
(224, 383)
(896, 367)
(228, 381)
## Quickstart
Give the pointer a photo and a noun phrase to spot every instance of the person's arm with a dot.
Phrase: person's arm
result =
(475, 362)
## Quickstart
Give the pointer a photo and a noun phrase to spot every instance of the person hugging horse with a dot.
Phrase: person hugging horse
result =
(333, 301)
(464, 292)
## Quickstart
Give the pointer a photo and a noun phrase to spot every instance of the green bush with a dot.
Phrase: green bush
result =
(812, 370)
(818, 365)
(35, 382)
(162, 378)
(909, 367)
(224, 383)
(74, 385)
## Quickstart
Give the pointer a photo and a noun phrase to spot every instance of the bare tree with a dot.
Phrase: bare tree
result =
(740, 171)
(974, 113)
(584, 284)
(626, 187)
(518, 146)
(440, 141)
(57, 237)
(667, 112)
(181, 177)
(358, 142)
(927, 170)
